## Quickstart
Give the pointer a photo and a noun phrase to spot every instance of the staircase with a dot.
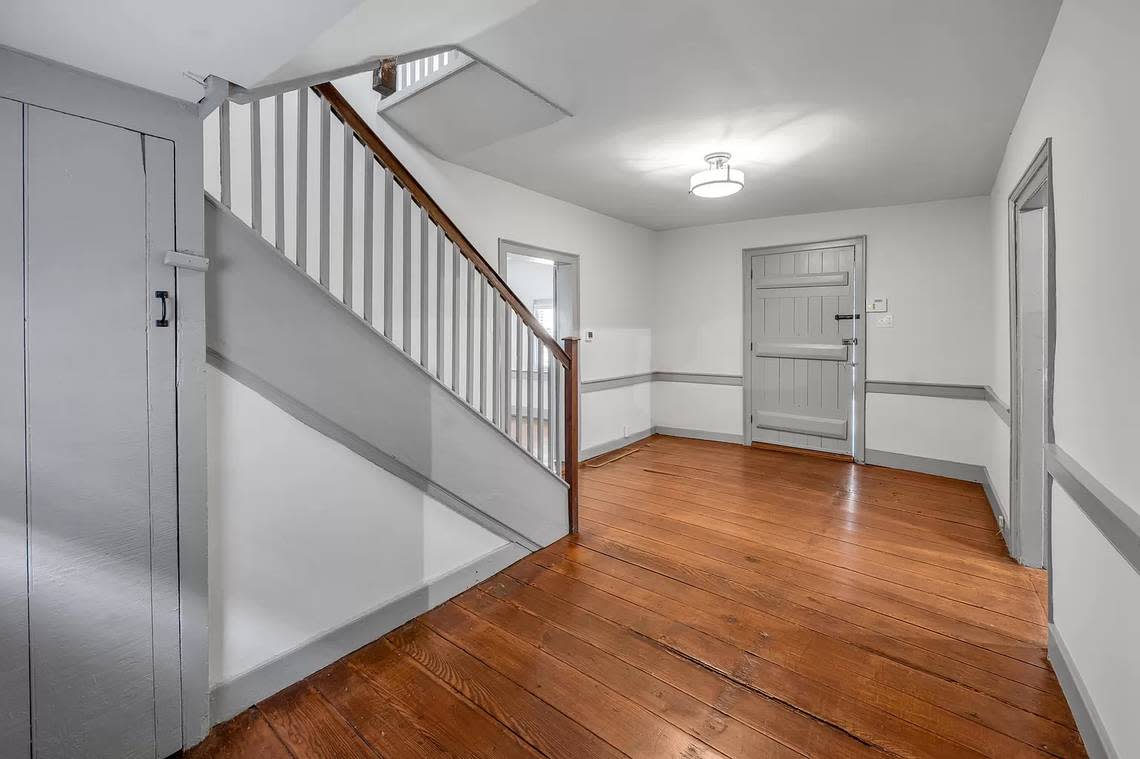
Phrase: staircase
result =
(341, 291)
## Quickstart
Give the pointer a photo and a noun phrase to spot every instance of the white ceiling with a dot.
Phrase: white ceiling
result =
(150, 43)
(825, 104)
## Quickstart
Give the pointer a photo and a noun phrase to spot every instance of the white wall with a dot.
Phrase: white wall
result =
(1084, 97)
(616, 263)
(930, 260)
(283, 570)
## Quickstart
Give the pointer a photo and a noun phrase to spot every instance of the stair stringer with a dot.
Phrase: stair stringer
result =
(275, 329)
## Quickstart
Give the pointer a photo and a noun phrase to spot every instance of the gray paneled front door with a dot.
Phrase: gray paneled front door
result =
(803, 332)
(100, 443)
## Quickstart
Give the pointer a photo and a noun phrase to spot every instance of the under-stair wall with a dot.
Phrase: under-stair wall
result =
(367, 440)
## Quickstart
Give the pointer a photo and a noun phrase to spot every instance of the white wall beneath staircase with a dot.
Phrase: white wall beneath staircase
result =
(616, 264)
(283, 570)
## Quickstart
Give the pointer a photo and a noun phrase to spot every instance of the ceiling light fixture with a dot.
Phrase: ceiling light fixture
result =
(718, 180)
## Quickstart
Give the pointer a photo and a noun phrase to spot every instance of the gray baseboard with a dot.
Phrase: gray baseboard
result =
(955, 470)
(612, 445)
(719, 437)
(1093, 732)
(230, 698)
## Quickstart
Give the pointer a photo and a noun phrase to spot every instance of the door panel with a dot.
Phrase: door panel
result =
(15, 717)
(801, 374)
(98, 537)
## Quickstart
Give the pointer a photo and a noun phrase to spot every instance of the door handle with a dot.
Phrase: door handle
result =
(846, 317)
(162, 295)
(850, 341)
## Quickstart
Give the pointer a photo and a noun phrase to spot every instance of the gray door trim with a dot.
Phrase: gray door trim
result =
(1038, 174)
(858, 433)
(557, 256)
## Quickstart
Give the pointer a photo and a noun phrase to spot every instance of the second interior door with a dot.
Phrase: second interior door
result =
(803, 346)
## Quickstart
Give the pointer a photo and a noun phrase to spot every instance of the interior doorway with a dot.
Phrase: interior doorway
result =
(1032, 311)
(804, 342)
(547, 283)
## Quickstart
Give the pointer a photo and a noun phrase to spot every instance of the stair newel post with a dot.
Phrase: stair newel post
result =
(570, 425)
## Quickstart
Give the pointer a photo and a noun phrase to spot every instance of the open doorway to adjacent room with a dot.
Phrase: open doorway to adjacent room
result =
(1032, 313)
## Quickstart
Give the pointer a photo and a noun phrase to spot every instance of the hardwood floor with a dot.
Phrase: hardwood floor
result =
(719, 601)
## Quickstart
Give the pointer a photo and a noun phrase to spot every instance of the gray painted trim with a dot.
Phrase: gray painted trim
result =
(719, 437)
(229, 698)
(593, 386)
(997, 404)
(1119, 524)
(192, 261)
(942, 468)
(1093, 733)
(929, 389)
(612, 445)
(609, 383)
(364, 449)
(1038, 174)
(943, 390)
(699, 378)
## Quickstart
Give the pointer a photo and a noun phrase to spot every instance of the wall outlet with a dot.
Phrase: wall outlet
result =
(885, 320)
(877, 305)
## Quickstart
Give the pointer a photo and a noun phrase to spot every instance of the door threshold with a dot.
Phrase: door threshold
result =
(844, 457)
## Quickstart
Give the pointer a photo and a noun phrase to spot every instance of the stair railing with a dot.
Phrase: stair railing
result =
(305, 171)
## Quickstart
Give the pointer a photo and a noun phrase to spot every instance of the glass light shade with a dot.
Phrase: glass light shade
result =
(718, 180)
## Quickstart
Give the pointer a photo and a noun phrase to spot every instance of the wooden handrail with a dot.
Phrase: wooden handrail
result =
(346, 113)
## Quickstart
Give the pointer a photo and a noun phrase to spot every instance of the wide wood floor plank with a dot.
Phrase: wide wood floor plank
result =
(246, 735)
(627, 726)
(531, 718)
(310, 727)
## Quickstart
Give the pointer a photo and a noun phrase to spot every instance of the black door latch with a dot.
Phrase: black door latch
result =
(846, 317)
(162, 295)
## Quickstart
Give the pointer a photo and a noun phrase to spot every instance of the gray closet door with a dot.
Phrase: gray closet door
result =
(15, 719)
(100, 445)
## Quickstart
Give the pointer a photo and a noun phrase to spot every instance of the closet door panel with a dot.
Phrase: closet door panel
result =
(15, 720)
(90, 607)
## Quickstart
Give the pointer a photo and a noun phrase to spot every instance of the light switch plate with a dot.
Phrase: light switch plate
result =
(587, 335)
(885, 320)
(877, 306)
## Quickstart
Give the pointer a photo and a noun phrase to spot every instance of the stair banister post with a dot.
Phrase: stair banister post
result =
(570, 424)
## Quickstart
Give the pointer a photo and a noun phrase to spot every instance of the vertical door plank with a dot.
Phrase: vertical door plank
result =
(15, 726)
(161, 384)
(88, 447)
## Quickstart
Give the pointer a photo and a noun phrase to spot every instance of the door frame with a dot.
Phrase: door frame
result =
(1038, 175)
(859, 383)
(507, 247)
